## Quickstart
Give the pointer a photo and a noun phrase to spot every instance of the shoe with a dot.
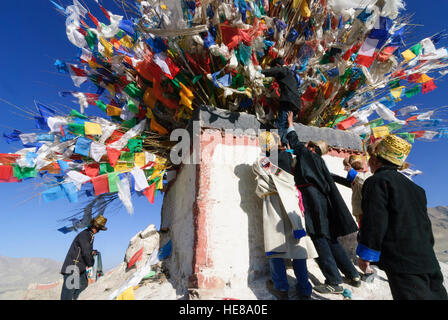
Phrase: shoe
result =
(369, 277)
(329, 288)
(280, 295)
(355, 282)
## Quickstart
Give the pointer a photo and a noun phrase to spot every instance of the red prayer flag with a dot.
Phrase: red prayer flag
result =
(6, 172)
(365, 61)
(136, 257)
(113, 155)
(418, 134)
(92, 169)
(347, 123)
(310, 94)
(105, 12)
(149, 192)
(95, 20)
(8, 158)
(428, 86)
(414, 77)
(101, 184)
(386, 54)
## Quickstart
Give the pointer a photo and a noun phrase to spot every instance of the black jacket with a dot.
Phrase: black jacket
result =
(80, 252)
(395, 223)
(287, 82)
(326, 213)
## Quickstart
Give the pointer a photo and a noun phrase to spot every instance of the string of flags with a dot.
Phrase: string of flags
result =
(145, 71)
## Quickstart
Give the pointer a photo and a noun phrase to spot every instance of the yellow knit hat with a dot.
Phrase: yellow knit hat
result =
(393, 149)
(268, 140)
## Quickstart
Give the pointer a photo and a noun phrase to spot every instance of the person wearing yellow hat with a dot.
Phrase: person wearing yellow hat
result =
(396, 231)
(326, 214)
(80, 256)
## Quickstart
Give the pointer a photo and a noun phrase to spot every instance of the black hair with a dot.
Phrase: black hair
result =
(387, 163)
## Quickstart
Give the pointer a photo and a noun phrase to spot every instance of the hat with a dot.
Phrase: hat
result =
(393, 149)
(99, 222)
(321, 144)
(268, 140)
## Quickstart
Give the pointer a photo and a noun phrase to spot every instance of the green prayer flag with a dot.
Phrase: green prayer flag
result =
(105, 168)
(100, 104)
(394, 126)
(376, 123)
(77, 114)
(135, 145)
(416, 49)
(76, 128)
(29, 172)
(129, 123)
(197, 78)
(148, 172)
(112, 177)
(132, 107)
(394, 83)
(91, 39)
(346, 75)
(339, 118)
(127, 156)
(413, 91)
(16, 172)
(244, 53)
(134, 91)
(408, 136)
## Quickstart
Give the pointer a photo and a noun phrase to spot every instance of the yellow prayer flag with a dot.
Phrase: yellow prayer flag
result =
(396, 92)
(139, 159)
(127, 294)
(126, 41)
(113, 111)
(160, 184)
(123, 167)
(296, 3)
(408, 55)
(110, 87)
(149, 114)
(108, 47)
(155, 174)
(184, 100)
(91, 128)
(92, 64)
(305, 10)
(379, 132)
(156, 127)
(424, 78)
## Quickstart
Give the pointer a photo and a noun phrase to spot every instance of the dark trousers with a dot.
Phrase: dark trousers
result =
(280, 280)
(281, 122)
(428, 286)
(333, 256)
(72, 287)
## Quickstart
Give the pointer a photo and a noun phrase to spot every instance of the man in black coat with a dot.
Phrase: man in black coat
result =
(326, 214)
(80, 256)
(396, 231)
(289, 93)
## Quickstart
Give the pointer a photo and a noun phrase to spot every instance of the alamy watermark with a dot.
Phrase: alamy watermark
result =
(192, 149)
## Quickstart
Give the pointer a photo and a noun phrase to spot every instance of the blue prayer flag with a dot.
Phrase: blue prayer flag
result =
(82, 146)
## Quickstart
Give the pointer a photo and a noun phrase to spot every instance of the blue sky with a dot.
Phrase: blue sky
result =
(34, 36)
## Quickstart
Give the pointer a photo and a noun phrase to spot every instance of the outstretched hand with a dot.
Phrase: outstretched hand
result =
(290, 116)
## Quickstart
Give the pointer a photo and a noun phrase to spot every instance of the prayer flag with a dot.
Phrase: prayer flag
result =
(379, 132)
(101, 184)
(149, 192)
(92, 128)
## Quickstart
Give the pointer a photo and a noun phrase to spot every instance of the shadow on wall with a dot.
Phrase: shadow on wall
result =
(252, 205)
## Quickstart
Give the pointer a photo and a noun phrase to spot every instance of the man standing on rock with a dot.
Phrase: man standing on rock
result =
(396, 231)
(79, 257)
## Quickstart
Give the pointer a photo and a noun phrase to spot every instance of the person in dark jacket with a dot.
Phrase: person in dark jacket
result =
(289, 93)
(396, 231)
(79, 257)
(326, 214)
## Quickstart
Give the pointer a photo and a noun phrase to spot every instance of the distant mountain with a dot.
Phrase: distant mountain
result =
(17, 273)
(439, 221)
